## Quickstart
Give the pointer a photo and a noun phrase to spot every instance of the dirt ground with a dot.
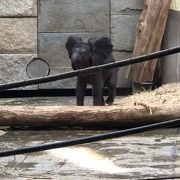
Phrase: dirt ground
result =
(148, 155)
(154, 154)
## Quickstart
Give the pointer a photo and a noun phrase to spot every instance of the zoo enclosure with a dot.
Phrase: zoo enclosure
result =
(31, 28)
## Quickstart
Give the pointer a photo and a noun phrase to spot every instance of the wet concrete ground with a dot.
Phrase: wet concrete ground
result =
(153, 154)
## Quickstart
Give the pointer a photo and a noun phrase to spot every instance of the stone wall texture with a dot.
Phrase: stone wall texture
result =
(18, 35)
(31, 28)
(18, 8)
(13, 68)
(124, 17)
(18, 39)
(74, 16)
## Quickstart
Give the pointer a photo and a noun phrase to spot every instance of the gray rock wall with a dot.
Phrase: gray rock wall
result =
(18, 35)
(60, 19)
(18, 39)
(124, 17)
(74, 16)
(18, 8)
(31, 27)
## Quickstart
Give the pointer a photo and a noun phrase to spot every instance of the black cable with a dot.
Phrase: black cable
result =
(89, 139)
(93, 69)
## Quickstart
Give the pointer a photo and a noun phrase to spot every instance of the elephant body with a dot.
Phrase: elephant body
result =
(96, 52)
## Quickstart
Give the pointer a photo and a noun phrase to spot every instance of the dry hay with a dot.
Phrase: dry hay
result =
(6, 170)
(166, 94)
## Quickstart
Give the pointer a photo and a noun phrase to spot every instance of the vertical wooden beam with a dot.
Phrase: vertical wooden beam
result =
(149, 34)
(171, 64)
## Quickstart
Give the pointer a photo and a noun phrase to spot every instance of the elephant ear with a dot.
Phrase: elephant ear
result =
(71, 42)
(104, 46)
(91, 43)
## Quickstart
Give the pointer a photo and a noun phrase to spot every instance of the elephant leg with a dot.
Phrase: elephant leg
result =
(80, 91)
(112, 94)
(98, 88)
(112, 89)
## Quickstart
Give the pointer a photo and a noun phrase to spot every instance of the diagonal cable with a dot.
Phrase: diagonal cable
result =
(92, 69)
(90, 139)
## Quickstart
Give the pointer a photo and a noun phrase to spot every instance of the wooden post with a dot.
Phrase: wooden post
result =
(171, 64)
(149, 34)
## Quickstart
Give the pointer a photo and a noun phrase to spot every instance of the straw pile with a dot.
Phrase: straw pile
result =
(166, 94)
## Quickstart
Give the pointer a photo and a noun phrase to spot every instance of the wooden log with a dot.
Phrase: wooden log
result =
(87, 116)
(149, 34)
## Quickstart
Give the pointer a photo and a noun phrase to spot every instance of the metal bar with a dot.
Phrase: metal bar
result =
(92, 69)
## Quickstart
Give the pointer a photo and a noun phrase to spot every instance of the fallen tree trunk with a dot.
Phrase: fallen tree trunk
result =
(87, 116)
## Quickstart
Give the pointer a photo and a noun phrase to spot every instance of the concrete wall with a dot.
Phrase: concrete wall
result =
(18, 38)
(124, 17)
(29, 28)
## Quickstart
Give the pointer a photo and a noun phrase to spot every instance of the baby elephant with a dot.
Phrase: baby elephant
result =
(97, 51)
